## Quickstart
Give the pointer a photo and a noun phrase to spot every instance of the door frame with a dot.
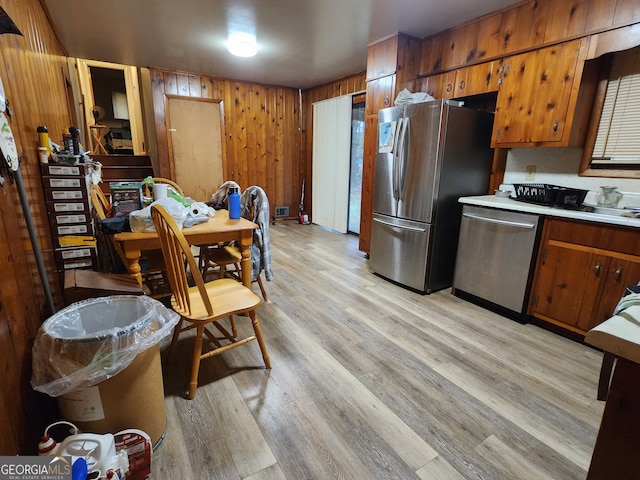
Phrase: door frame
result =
(134, 103)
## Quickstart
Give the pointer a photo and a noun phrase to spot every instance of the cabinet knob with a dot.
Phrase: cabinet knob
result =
(596, 270)
(618, 275)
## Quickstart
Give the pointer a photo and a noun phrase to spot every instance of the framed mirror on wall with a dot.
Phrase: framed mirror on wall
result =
(612, 145)
(112, 108)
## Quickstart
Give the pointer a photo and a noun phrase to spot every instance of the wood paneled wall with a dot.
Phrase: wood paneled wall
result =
(261, 126)
(33, 69)
(267, 129)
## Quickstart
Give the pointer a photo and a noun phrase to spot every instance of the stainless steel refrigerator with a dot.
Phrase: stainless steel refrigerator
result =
(429, 155)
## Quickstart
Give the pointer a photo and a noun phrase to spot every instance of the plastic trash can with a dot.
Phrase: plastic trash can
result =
(101, 358)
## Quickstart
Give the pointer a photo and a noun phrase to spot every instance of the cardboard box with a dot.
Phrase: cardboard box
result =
(84, 284)
(134, 398)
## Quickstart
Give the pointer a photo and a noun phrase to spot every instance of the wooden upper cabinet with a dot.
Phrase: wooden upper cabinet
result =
(439, 86)
(399, 54)
(572, 18)
(380, 94)
(431, 55)
(382, 58)
(459, 46)
(566, 18)
(538, 97)
(477, 79)
(463, 82)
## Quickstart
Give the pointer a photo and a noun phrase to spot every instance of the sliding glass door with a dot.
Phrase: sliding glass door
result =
(355, 173)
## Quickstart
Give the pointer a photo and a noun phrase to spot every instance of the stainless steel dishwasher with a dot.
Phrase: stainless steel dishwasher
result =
(495, 258)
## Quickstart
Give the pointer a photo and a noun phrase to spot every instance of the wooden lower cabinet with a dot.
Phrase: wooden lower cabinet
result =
(582, 271)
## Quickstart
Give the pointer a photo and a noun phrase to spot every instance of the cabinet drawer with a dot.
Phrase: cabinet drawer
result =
(611, 237)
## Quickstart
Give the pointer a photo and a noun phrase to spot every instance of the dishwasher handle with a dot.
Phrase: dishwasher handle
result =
(507, 223)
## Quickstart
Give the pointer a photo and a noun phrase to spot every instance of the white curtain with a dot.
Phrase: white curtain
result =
(331, 158)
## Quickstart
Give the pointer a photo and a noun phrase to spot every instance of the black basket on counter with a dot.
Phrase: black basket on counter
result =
(545, 194)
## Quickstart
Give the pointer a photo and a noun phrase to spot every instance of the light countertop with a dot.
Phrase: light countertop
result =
(492, 201)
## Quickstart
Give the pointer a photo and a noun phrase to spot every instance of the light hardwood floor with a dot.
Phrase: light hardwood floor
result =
(371, 381)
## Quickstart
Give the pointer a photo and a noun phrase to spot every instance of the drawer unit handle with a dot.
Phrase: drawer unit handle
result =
(618, 275)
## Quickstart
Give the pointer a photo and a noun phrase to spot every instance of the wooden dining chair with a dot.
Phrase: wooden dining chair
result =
(147, 192)
(223, 256)
(99, 201)
(204, 304)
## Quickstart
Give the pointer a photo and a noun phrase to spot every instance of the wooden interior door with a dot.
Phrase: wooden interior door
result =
(195, 145)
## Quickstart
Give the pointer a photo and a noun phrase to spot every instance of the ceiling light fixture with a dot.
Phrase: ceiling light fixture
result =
(242, 44)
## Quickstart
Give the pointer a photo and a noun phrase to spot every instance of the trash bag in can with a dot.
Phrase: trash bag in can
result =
(101, 359)
(93, 340)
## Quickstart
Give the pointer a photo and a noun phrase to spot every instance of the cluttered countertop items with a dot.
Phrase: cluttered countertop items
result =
(608, 205)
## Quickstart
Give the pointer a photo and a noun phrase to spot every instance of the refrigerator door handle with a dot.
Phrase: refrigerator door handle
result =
(404, 227)
(397, 150)
(402, 167)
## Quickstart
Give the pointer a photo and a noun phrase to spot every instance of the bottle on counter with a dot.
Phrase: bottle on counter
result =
(234, 203)
(75, 140)
(43, 139)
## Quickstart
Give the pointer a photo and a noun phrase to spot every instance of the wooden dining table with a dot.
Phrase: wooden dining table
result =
(219, 228)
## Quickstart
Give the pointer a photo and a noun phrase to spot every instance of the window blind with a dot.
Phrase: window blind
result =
(331, 160)
(617, 140)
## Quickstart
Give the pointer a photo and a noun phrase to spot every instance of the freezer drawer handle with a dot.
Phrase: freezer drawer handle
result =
(404, 227)
(500, 222)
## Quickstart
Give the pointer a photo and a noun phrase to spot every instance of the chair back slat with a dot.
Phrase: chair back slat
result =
(99, 201)
(176, 251)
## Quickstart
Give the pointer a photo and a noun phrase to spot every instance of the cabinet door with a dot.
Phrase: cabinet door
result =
(475, 80)
(567, 284)
(621, 272)
(440, 86)
(380, 94)
(534, 98)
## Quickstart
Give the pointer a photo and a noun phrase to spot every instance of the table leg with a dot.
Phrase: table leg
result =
(615, 455)
(132, 258)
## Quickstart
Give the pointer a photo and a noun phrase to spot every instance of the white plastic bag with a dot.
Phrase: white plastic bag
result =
(405, 97)
(141, 222)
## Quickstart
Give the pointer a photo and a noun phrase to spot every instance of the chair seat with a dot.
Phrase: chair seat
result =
(229, 297)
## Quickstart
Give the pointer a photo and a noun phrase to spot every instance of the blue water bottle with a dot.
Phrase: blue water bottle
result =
(234, 203)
